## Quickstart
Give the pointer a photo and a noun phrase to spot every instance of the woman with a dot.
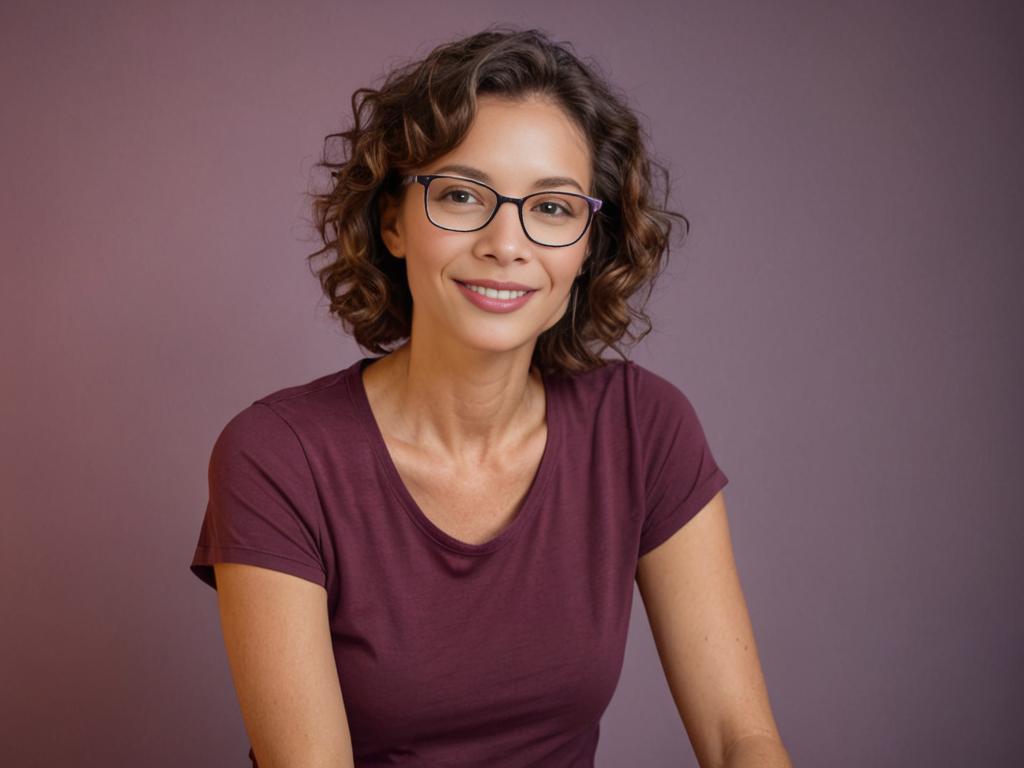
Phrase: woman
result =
(428, 557)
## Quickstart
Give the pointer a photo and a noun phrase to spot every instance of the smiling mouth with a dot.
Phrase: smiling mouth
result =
(478, 288)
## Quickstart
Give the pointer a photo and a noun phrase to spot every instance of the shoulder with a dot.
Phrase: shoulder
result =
(285, 420)
(657, 397)
(308, 395)
(658, 414)
(595, 384)
(628, 385)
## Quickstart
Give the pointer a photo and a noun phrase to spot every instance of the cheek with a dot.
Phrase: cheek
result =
(428, 254)
(579, 263)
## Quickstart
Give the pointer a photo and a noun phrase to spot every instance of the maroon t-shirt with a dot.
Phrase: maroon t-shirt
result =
(453, 654)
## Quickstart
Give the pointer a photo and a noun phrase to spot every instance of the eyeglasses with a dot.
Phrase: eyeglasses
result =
(554, 219)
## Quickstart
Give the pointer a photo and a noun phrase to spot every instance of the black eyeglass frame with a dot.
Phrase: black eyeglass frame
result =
(593, 205)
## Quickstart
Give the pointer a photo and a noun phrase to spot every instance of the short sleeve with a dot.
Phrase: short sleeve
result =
(680, 472)
(263, 506)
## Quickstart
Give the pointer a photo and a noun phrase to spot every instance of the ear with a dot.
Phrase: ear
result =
(390, 233)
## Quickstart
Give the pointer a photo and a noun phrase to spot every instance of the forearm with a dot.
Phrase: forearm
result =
(757, 751)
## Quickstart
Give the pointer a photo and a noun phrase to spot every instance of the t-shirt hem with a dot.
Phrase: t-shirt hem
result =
(206, 556)
(682, 514)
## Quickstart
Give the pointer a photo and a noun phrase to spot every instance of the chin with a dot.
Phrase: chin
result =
(499, 342)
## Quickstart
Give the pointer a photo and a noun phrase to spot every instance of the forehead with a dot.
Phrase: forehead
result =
(518, 141)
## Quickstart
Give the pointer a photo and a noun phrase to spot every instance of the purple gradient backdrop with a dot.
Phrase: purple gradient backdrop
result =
(842, 316)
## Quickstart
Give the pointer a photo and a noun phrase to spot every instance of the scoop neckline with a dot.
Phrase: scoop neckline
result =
(531, 501)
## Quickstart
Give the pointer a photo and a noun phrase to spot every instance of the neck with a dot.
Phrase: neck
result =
(473, 408)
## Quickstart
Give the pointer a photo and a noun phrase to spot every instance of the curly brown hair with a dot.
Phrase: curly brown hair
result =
(422, 111)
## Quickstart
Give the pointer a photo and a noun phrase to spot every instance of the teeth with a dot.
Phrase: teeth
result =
(491, 293)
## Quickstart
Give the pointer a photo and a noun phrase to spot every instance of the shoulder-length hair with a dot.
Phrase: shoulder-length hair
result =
(422, 111)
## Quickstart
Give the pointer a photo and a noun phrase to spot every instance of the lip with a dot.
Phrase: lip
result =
(488, 304)
(498, 286)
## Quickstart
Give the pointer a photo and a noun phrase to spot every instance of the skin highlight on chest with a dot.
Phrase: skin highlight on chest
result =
(471, 501)
(471, 504)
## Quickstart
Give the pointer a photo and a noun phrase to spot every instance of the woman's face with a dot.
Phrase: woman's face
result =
(511, 145)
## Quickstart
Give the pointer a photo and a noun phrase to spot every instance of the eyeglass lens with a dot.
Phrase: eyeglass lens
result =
(551, 218)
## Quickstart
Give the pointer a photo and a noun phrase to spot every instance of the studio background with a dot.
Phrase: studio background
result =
(845, 316)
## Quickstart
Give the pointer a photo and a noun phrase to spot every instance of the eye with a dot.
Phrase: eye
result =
(552, 208)
(448, 195)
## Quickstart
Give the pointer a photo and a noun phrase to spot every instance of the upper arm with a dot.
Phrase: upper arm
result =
(698, 617)
(278, 642)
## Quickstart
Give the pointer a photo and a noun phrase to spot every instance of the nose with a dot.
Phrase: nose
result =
(504, 236)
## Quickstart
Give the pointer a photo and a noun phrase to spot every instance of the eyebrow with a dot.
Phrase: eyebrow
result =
(475, 173)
